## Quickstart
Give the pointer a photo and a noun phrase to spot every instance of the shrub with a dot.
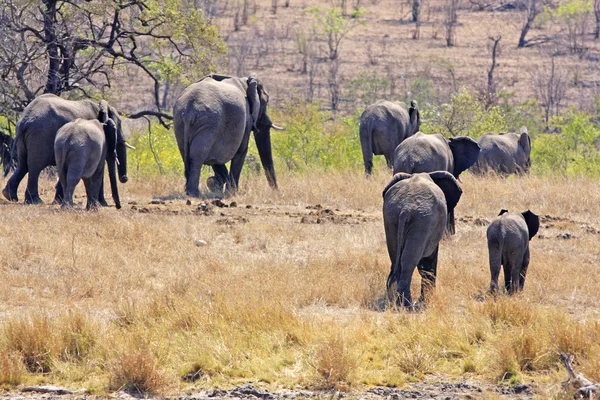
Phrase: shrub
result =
(464, 115)
(572, 151)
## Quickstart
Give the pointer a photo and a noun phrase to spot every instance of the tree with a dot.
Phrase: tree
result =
(335, 26)
(550, 86)
(533, 9)
(63, 46)
(491, 83)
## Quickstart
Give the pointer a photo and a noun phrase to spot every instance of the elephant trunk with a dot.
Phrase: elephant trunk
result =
(263, 144)
(122, 157)
(112, 174)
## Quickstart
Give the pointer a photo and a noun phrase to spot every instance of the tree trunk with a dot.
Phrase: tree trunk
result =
(53, 80)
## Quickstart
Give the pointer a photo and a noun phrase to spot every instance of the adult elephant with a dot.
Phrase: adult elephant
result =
(213, 119)
(429, 153)
(383, 126)
(415, 209)
(504, 154)
(34, 141)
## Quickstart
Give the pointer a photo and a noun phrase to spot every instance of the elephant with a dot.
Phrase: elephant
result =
(6, 144)
(508, 238)
(213, 119)
(504, 154)
(415, 209)
(34, 141)
(383, 126)
(80, 149)
(429, 153)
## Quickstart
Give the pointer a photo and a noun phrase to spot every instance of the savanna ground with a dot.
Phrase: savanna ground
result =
(283, 293)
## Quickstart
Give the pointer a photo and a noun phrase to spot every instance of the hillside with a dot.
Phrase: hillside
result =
(380, 59)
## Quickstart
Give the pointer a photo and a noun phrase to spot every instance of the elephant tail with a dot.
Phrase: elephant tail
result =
(366, 143)
(400, 238)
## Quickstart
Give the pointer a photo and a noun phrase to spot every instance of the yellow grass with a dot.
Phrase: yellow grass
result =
(126, 299)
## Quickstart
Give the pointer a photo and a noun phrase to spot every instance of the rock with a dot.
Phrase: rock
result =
(233, 204)
(305, 220)
(219, 203)
(481, 222)
(200, 243)
(188, 202)
(157, 202)
(249, 206)
(49, 389)
(134, 208)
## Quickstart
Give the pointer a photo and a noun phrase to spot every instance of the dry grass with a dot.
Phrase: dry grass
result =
(126, 299)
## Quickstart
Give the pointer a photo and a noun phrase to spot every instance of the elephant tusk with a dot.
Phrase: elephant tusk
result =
(129, 146)
(277, 128)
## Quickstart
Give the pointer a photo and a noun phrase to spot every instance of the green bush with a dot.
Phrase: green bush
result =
(156, 152)
(464, 115)
(314, 139)
(571, 151)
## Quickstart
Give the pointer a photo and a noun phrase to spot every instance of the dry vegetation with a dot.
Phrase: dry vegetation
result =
(129, 299)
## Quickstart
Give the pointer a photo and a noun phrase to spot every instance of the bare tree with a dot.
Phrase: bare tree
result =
(597, 15)
(550, 85)
(334, 83)
(491, 83)
(59, 46)
(532, 9)
(450, 20)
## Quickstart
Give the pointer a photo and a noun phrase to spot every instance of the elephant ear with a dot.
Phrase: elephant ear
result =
(465, 152)
(449, 186)
(400, 176)
(103, 113)
(253, 99)
(525, 140)
(110, 131)
(414, 116)
(532, 221)
(503, 211)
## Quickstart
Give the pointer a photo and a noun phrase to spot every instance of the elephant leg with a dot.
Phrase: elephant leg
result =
(58, 193)
(217, 182)
(10, 190)
(409, 259)
(495, 258)
(507, 274)
(428, 271)
(389, 160)
(31, 193)
(92, 195)
(237, 163)
(101, 198)
(96, 184)
(524, 267)
(450, 226)
(70, 181)
(198, 153)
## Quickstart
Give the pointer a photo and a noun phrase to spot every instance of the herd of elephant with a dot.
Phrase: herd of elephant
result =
(213, 119)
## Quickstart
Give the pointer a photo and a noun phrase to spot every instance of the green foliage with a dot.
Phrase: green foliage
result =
(572, 9)
(464, 115)
(528, 113)
(335, 25)
(156, 152)
(423, 91)
(367, 88)
(312, 139)
(573, 151)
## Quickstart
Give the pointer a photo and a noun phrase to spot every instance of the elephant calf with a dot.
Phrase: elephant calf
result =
(508, 244)
(415, 209)
(80, 148)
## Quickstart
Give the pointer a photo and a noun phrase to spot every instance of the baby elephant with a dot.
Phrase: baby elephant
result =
(415, 209)
(80, 148)
(508, 244)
